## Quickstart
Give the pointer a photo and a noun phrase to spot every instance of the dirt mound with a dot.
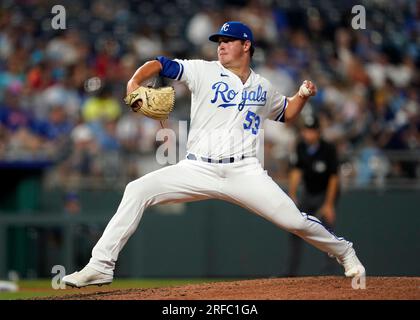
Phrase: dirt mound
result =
(307, 288)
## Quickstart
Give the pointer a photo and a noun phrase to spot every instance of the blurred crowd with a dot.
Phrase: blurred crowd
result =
(61, 91)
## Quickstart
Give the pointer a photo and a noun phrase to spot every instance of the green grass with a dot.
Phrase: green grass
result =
(42, 288)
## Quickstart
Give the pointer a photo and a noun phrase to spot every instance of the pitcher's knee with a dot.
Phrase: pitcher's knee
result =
(137, 188)
(131, 187)
(297, 225)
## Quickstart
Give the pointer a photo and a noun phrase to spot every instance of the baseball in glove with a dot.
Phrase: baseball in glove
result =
(156, 103)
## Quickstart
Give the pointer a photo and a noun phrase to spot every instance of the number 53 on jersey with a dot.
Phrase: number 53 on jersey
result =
(252, 122)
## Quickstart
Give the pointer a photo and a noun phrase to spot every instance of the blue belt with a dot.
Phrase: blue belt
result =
(191, 156)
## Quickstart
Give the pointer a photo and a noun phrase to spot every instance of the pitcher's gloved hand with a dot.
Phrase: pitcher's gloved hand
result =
(153, 103)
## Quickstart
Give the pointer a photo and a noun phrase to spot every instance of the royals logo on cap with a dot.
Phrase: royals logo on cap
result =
(233, 29)
(225, 27)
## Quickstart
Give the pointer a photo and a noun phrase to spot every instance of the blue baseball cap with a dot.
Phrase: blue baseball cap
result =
(234, 29)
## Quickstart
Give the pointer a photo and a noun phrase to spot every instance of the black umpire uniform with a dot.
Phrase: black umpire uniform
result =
(314, 166)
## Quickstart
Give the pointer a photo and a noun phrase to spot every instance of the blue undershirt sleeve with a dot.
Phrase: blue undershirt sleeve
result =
(170, 69)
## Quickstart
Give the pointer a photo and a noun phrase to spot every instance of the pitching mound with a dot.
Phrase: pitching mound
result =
(307, 288)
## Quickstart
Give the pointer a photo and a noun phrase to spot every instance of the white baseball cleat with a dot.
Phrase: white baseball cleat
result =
(352, 265)
(87, 277)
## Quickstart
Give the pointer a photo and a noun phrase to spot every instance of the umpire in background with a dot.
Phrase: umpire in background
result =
(315, 164)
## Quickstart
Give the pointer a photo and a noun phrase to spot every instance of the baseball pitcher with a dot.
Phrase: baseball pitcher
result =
(229, 103)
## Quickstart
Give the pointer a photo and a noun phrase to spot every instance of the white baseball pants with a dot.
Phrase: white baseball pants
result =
(244, 183)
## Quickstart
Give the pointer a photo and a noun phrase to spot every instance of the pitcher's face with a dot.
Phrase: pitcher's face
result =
(230, 51)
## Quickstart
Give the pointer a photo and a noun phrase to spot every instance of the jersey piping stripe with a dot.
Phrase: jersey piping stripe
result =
(181, 71)
(284, 109)
(313, 219)
(319, 222)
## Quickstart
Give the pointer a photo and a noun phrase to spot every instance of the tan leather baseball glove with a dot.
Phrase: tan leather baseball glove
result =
(157, 103)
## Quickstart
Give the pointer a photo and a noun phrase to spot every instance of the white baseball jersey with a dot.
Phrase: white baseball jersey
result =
(226, 115)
